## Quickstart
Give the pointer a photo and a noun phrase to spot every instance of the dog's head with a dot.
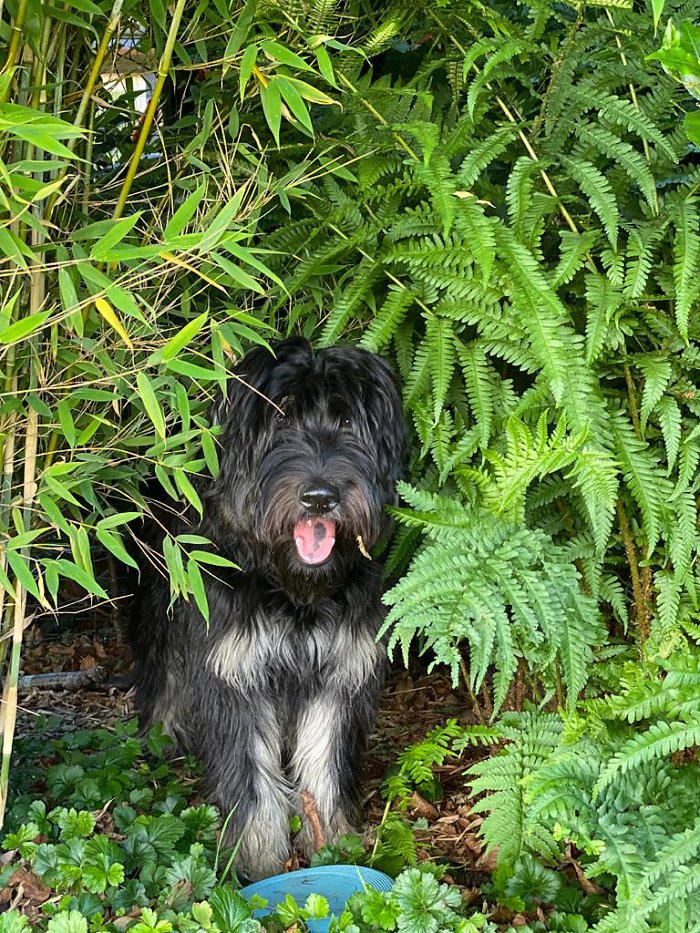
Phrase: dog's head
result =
(312, 445)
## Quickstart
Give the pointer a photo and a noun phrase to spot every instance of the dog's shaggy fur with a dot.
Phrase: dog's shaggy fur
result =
(277, 694)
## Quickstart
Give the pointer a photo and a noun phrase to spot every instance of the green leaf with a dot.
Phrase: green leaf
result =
(119, 518)
(312, 94)
(43, 138)
(271, 101)
(219, 224)
(184, 213)
(183, 337)
(198, 373)
(657, 8)
(23, 328)
(280, 53)
(67, 921)
(115, 545)
(196, 585)
(187, 489)
(292, 98)
(21, 570)
(246, 68)
(150, 403)
(13, 248)
(65, 417)
(68, 569)
(209, 557)
(102, 250)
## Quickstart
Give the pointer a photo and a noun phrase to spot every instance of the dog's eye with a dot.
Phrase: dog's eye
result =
(346, 423)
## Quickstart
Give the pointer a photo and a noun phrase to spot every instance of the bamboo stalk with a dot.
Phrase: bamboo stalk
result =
(10, 687)
(5, 496)
(86, 96)
(149, 116)
(13, 51)
(36, 299)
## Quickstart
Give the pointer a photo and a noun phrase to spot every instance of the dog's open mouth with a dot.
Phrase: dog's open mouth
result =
(314, 539)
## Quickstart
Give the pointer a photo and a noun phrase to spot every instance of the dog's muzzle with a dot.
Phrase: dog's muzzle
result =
(314, 537)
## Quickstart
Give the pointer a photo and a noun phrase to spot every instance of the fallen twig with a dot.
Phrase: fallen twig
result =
(62, 680)
(311, 812)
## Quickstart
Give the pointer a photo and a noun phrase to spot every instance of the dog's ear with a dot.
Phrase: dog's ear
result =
(252, 384)
(387, 423)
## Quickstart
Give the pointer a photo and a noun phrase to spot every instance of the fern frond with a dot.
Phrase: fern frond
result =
(483, 153)
(668, 599)
(519, 191)
(612, 147)
(687, 252)
(478, 231)
(640, 256)
(438, 179)
(670, 423)
(439, 338)
(505, 51)
(683, 538)
(659, 741)
(387, 319)
(572, 254)
(656, 370)
(553, 340)
(478, 381)
(600, 195)
(357, 293)
(322, 14)
(623, 113)
(648, 485)
(506, 776)
(595, 474)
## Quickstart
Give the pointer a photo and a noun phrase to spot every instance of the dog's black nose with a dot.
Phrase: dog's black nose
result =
(319, 497)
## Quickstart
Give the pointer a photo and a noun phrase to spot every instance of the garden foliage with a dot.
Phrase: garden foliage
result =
(112, 844)
(500, 198)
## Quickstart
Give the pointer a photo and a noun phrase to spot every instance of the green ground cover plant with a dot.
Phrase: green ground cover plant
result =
(503, 200)
(148, 860)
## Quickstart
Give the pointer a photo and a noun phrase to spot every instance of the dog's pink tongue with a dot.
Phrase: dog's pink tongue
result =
(314, 538)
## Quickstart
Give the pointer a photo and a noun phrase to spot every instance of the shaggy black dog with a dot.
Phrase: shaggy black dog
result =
(277, 694)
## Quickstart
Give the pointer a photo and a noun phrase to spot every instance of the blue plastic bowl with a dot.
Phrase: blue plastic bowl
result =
(335, 882)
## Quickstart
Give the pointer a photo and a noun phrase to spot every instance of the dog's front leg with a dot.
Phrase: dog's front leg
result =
(243, 761)
(331, 736)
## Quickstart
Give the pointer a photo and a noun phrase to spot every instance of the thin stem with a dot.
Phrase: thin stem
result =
(15, 41)
(633, 95)
(467, 682)
(632, 399)
(380, 118)
(88, 90)
(641, 603)
(523, 138)
(149, 116)
(5, 497)
(10, 688)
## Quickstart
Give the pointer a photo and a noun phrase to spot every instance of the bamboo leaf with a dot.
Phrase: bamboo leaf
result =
(23, 328)
(150, 403)
(112, 318)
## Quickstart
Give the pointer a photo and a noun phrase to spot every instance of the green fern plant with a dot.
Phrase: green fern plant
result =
(505, 590)
(530, 281)
(619, 783)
